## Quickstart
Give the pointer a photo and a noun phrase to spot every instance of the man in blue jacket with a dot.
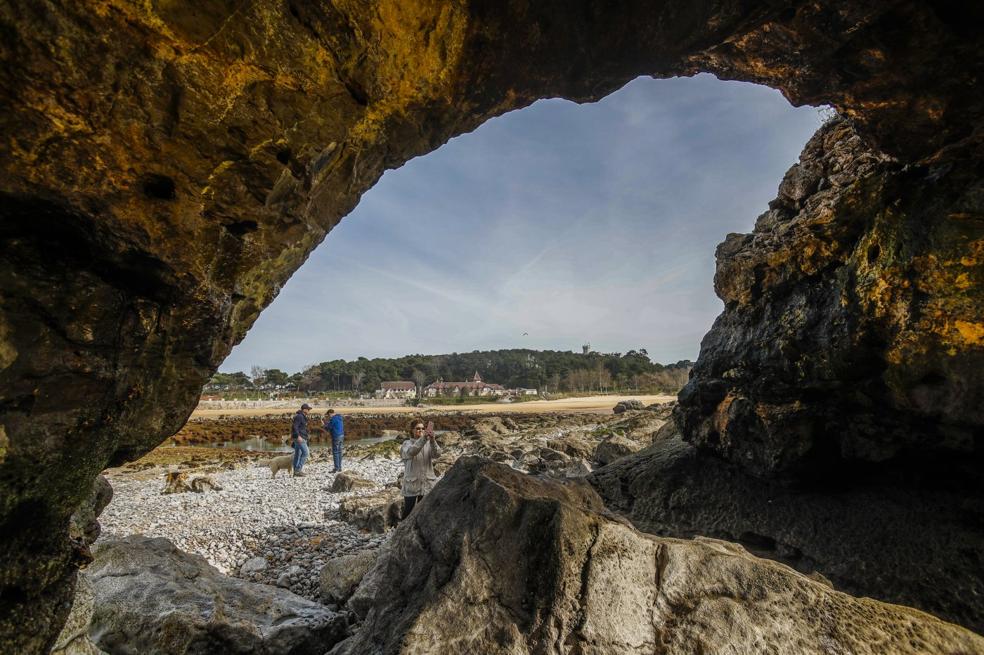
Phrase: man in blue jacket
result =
(336, 428)
(299, 439)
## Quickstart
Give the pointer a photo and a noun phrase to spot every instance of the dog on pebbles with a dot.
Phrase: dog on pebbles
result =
(278, 464)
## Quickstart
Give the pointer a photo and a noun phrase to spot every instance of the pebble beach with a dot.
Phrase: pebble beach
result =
(277, 531)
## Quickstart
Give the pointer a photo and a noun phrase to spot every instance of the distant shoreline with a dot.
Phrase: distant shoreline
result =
(587, 404)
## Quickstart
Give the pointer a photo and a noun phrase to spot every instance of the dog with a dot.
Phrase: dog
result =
(277, 464)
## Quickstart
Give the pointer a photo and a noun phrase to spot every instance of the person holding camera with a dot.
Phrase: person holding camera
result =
(418, 454)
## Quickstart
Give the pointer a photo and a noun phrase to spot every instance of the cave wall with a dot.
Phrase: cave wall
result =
(166, 167)
(853, 332)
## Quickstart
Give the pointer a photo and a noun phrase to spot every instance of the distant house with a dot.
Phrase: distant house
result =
(397, 389)
(475, 387)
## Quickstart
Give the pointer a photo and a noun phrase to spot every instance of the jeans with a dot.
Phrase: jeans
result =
(301, 453)
(336, 451)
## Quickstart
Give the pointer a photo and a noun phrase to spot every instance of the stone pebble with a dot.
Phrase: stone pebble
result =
(290, 523)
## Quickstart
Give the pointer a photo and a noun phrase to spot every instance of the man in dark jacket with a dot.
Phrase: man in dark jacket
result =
(336, 428)
(299, 439)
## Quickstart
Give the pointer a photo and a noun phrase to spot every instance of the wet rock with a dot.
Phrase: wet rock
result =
(571, 578)
(151, 597)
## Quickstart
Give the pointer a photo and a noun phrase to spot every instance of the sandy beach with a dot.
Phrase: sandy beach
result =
(587, 404)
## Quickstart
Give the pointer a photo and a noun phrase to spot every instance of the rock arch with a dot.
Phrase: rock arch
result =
(165, 169)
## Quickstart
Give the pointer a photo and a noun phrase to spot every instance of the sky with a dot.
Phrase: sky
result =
(546, 228)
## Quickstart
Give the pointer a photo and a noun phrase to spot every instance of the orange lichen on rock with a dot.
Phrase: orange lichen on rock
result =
(972, 334)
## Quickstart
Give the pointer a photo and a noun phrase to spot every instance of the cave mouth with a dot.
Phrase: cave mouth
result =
(545, 228)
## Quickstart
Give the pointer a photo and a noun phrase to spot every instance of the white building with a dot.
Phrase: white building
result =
(397, 389)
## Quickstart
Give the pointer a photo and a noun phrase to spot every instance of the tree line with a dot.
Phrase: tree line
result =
(548, 371)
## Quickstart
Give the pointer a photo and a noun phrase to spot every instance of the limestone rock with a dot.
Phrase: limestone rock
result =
(349, 482)
(341, 575)
(628, 405)
(846, 336)
(376, 512)
(614, 447)
(914, 540)
(151, 597)
(499, 562)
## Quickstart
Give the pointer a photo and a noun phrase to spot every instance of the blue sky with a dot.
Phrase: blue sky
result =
(546, 228)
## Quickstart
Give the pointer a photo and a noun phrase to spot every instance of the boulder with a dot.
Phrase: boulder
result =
(614, 447)
(916, 540)
(627, 405)
(350, 482)
(495, 561)
(151, 597)
(377, 512)
(341, 575)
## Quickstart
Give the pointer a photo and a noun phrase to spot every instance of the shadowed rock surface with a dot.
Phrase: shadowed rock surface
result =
(167, 166)
(907, 538)
(151, 597)
(495, 561)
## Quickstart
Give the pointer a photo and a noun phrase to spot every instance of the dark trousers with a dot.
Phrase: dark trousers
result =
(408, 503)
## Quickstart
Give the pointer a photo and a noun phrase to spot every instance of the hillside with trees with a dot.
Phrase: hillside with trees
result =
(549, 371)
